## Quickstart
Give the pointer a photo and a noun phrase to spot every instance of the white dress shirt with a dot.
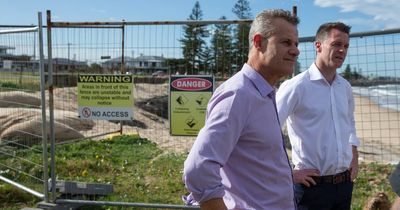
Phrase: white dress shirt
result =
(320, 121)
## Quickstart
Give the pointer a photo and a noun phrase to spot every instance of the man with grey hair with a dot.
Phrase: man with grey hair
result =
(238, 160)
(319, 107)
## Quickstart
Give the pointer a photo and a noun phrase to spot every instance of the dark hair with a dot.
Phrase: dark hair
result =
(262, 24)
(325, 28)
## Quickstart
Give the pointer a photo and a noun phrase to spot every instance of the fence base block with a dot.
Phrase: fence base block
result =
(47, 206)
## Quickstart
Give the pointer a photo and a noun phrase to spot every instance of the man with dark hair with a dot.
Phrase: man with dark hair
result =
(238, 160)
(319, 107)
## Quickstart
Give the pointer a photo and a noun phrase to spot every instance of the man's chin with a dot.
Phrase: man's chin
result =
(288, 73)
(338, 64)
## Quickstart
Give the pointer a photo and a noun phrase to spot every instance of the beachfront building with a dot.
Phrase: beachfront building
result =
(64, 65)
(3, 50)
(146, 65)
(21, 63)
(11, 62)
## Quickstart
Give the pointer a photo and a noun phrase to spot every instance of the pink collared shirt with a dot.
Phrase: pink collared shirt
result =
(239, 154)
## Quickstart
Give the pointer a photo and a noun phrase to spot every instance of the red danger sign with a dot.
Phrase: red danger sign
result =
(191, 84)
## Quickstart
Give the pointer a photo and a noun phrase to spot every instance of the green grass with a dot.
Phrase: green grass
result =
(142, 172)
(12, 199)
(138, 170)
(16, 81)
(372, 178)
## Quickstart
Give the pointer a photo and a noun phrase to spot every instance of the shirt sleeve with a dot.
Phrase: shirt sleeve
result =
(353, 136)
(286, 100)
(226, 117)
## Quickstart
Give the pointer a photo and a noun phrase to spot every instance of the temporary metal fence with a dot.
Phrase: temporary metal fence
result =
(152, 51)
(23, 110)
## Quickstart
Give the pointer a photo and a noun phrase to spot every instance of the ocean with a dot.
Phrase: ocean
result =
(387, 96)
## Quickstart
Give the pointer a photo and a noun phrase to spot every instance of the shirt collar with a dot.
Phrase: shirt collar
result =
(315, 74)
(261, 84)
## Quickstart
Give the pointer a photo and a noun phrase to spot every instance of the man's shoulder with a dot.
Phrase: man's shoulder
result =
(343, 83)
(303, 76)
(343, 80)
(235, 83)
(298, 80)
(236, 87)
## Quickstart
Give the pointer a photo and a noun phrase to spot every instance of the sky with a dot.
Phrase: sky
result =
(362, 15)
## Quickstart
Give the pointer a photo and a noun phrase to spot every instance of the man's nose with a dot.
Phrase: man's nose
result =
(294, 51)
(342, 49)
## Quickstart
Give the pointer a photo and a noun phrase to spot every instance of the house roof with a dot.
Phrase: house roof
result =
(118, 59)
(149, 58)
(3, 47)
(65, 61)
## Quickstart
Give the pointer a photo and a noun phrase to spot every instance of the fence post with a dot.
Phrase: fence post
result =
(122, 66)
(43, 105)
(51, 107)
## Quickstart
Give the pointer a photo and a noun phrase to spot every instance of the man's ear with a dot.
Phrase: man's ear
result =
(318, 46)
(257, 40)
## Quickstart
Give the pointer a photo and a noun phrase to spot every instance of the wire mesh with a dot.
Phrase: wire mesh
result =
(371, 67)
(21, 115)
(152, 52)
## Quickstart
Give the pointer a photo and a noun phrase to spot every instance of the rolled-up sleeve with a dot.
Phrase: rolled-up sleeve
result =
(213, 146)
(353, 140)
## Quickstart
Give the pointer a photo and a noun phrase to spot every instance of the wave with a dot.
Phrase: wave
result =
(387, 96)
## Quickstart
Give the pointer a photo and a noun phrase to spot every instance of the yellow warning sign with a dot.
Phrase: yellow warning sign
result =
(108, 97)
(189, 96)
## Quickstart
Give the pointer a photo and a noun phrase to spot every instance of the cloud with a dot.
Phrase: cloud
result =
(370, 23)
(384, 13)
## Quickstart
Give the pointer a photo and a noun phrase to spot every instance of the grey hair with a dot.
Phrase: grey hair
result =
(263, 25)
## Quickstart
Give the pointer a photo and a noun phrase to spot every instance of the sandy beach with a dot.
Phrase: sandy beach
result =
(378, 131)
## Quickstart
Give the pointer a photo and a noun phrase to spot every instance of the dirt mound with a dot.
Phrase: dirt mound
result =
(157, 105)
(19, 99)
(23, 126)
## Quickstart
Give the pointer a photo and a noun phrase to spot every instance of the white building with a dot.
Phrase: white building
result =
(139, 65)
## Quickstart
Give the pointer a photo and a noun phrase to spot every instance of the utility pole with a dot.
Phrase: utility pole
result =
(69, 62)
(294, 11)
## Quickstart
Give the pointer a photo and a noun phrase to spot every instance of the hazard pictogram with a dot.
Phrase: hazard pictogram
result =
(201, 100)
(190, 121)
(86, 112)
(182, 100)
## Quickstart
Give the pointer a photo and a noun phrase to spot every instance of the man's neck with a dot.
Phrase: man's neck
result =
(271, 79)
(328, 73)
